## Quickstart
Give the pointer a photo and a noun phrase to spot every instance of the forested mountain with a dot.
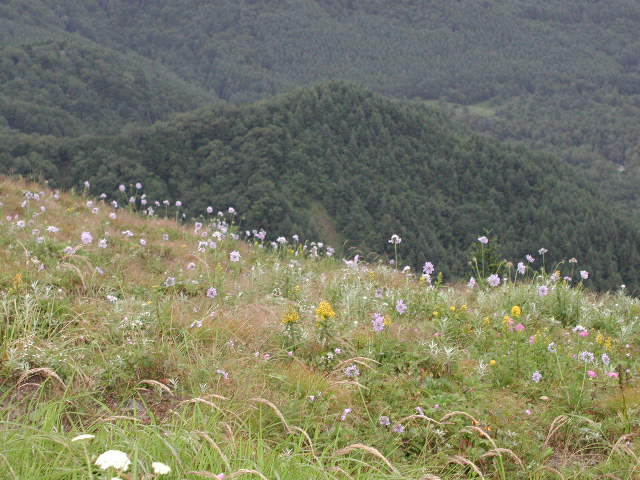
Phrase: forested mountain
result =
(66, 88)
(563, 75)
(339, 162)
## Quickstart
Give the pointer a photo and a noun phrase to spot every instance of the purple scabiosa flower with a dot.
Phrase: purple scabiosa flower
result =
(170, 282)
(87, 184)
(122, 188)
(352, 371)
(398, 428)
(605, 359)
(212, 292)
(483, 240)
(420, 410)
(586, 357)
(543, 290)
(138, 186)
(143, 242)
(178, 203)
(86, 238)
(428, 268)
(472, 282)
(224, 373)
(231, 210)
(385, 421)
(281, 240)
(536, 377)
(529, 258)
(52, 229)
(378, 322)
(494, 280)
(552, 347)
(401, 307)
(584, 274)
(521, 268)
(234, 256)
(345, 414)
(191, 266)
(209, 209)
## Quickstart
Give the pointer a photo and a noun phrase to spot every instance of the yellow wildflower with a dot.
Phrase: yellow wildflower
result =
(600, 338)
(452, 308)
(608, 343)
(516, 311)
(487, 320)
(435, 313)
(325, 310)
(492, 362)
(463, 308)
(292, 316)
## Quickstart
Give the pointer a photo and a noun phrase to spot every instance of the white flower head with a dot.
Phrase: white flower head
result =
(114, 458)
(84, 436)
(160, 468)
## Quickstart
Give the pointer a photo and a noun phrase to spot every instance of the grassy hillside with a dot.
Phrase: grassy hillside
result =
(563, 76)
(70, 89)
(338, 162)
(296, 365)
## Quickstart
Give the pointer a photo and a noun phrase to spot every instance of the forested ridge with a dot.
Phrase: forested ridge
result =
(563, 76)
(339, 163)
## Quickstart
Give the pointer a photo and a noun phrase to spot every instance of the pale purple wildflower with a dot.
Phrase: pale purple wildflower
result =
(536, 377)
(584, 274)
(483, 240)
(428, 268)
(543, 290)
(170, 282)
(378, 322)
(385, 421)
(234, 256)
(552, 347)
(494, 280)
(212, 292)
(529, 258)
(586, 357)
(86, 238)
(345, 414)
(605, 359)
(521, 268)
(398, 428)
(401, 307)
(352, 371)
(472, 282)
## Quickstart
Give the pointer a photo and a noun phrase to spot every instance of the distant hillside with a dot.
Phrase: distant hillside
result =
(563, 76)
(339, 162)
(70, 89)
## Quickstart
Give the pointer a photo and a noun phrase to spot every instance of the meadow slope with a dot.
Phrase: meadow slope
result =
(224, 355)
